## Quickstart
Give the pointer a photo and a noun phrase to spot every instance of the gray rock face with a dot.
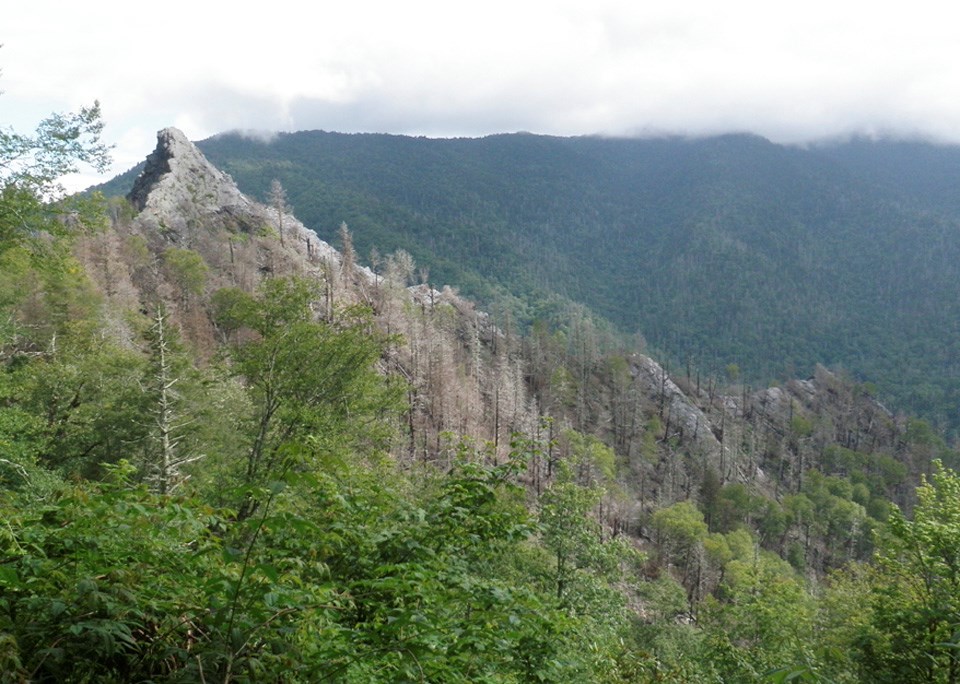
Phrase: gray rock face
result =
(178, 186)
(175, 161)
(683, 412)
(180, 194)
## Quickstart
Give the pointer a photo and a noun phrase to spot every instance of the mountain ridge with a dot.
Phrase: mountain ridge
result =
(229, 223)
(725, 250)
(220, 431)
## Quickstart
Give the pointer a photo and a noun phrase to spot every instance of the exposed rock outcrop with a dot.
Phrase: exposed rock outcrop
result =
(851, 416)
(180, 191)
(179, 186)
(682, 412)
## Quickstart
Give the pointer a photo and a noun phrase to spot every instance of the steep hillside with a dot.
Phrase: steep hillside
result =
(230, 452)
(722, 251)
(466, 376)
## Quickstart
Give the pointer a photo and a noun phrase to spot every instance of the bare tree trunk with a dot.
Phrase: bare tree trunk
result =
(165, 413)
(166, 474)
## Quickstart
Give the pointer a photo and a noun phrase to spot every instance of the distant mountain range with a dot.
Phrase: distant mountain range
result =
(720, 251)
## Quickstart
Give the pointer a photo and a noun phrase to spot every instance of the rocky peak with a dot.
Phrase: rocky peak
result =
(184, 199)
(178, 185)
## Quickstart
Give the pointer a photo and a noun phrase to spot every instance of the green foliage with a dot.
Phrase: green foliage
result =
(31, 166)
(801, 427)
(340, 575)
(765, 620)
(76, 406)
(680, 527)
(299, 551)
(101, 584)
(722, 549)
(733, 506)
(828, 509)
(572, 535)
(916, 599)
(306, 378)
(187, 269)
(44, 294)
(880, 473)
(845, 612)
(327, 562)
(428, 602)
(589, 461)
(680, 533)
(57, 147)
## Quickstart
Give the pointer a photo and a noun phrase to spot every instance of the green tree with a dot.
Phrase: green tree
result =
(307, 378)
(84, 400)
(570, 532)
(31, 166)
(102, 583)
(56, 401)
(763, 620)
(846, 639)
(680, 533)
(916, 606)
(187, 270)
(590, 461)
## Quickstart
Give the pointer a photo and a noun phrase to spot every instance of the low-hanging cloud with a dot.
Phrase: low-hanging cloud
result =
(790, 73)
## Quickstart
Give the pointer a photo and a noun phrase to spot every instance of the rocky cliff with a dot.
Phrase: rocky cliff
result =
(179, 191)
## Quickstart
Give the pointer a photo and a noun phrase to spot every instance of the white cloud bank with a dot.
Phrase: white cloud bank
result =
(790, 72)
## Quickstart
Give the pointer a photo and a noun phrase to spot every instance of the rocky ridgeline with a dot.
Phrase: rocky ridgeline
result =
(859, 420)
(184, 201)
(179, 189)
(178, 186)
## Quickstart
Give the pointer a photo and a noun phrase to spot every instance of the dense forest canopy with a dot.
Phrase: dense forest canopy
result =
(228, 453)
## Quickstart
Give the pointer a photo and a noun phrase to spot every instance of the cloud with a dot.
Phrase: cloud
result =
(789, 72)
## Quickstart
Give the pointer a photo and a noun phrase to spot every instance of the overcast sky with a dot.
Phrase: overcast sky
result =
(792, 72)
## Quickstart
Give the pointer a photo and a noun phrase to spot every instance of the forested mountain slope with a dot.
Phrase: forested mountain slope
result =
(728, 250)
(230, 453)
